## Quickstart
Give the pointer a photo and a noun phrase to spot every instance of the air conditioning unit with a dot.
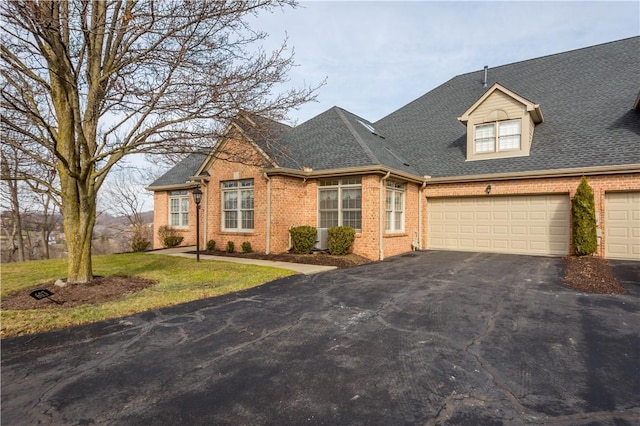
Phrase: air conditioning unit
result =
(322, 239)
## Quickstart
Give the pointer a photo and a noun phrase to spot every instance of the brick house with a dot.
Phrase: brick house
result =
(486, 162)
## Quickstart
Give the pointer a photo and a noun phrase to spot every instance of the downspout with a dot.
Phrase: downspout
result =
(381, 218)
(268, 227)
(205, 211)
(420, 195)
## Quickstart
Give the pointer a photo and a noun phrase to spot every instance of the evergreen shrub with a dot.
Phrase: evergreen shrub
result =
(585, 238)
(302, 239)
(341, 240)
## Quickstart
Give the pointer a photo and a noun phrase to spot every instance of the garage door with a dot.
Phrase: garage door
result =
(622, 225)
(518, 224)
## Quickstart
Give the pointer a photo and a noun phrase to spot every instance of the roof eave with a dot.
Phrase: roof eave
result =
(348, 171)
(572, 172)
(172, 187)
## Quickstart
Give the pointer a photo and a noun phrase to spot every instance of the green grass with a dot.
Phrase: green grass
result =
(179, 280)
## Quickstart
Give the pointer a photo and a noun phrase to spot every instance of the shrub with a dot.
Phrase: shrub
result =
(302, 239)
(139, 240)
(341, 239)
(585, 238)
(231, 247)
(169, 236)
(246, 247)
(139, 244)
(211, 245)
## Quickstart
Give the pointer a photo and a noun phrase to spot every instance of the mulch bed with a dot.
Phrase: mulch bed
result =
(591, 274)
(100, 290)
(319, 258)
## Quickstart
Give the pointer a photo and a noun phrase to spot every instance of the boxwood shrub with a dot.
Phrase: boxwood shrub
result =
(302, 239)
(341, 239)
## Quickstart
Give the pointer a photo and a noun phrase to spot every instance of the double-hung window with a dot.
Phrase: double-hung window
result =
(340, 203)
(179, 209)
(395, 206)
(237, 205)
(507, 134)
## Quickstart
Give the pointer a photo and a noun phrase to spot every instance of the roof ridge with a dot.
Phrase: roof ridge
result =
(357, 137)
(564, 52)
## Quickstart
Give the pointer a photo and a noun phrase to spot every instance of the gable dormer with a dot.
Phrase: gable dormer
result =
(500, 124)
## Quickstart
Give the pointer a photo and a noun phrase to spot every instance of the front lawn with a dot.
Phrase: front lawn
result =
(179, 280)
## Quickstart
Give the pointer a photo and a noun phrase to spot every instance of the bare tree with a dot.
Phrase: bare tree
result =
(10, 162)
(103, 79)
(125, 194)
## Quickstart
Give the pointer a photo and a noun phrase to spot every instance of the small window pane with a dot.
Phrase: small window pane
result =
(247, 199)
(485, 145)
(328, 199)
(351, 198)
(511, 127)
(509, 135)
(175, 219)
(230, 200)
(352, 181)
(485, 131)
(328, 219)
(231, 219)
(509, 142)
(247, 219)
(352, 219)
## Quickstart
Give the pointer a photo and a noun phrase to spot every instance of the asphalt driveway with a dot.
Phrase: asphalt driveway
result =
(423, 338)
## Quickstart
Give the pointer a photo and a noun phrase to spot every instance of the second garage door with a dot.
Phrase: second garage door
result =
(622, 225)
(536, 225)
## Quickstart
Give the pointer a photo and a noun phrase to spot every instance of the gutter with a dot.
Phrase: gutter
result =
(381, 220)
(584, 171)
(349, 171)
(172, 187)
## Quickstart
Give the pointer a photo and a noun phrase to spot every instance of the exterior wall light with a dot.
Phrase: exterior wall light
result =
(488, 189)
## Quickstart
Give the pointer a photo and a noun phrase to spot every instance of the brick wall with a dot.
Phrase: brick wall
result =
(161, 218)
(294, 203)
(600, 184)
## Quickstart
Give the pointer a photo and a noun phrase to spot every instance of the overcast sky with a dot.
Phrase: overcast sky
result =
(378, 56)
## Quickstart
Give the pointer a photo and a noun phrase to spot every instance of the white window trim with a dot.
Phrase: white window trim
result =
(238, 188)
(496, 137)
(182, 214)
(395, 189)
(340, 186)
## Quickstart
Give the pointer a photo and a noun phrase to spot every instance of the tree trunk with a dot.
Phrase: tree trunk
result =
(78, 229)
(79, 217)
(17, 220)
(45, 242)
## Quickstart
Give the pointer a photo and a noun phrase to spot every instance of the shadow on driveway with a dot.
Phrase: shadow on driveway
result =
(423, 338)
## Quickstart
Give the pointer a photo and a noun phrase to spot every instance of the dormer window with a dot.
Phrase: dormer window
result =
(500, 124)
(507, 134)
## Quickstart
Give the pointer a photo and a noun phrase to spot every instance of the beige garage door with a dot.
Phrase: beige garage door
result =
(622, 225)
(518, 224)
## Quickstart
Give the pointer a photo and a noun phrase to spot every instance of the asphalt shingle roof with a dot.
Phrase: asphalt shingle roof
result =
(339, 139)
(586, 97)
(181, 172)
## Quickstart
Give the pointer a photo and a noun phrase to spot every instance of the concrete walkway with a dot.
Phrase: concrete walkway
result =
(300, 268)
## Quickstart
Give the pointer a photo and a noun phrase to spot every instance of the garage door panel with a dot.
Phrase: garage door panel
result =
(622, 225)
(518, 224)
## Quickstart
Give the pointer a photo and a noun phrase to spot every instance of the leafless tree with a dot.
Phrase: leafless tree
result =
(102, 79)
(10, 161)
